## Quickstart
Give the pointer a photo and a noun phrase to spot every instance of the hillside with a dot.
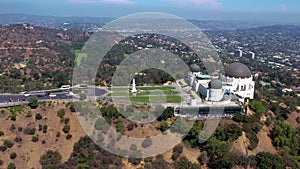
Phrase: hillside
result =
(32, 57)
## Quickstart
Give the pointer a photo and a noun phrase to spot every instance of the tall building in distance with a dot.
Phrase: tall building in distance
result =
(238, 53)
(250, 55)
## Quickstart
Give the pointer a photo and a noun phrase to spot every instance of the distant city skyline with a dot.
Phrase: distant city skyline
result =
(276, 11)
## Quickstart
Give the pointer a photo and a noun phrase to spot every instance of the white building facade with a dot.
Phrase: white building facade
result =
(236, 79)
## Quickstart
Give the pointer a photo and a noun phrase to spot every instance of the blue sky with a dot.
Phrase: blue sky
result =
(251, 10)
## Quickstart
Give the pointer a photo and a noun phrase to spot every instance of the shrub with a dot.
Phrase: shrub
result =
(57, 134)
(13, 117)
(29, 131)
(178, 148)
(3, 148)
(18, 139)
(232, 132)
(51, 159)
(72, 108)
(8, 143)
(253, 140)
(67, 120)
(20, 129)
(175, 155)
(45, 127)
(183, 162)
(120, 125)
(167, 113)
(13, 155)
(35, 139)
(66, 129)
(1, 133)
(11, 166)
(147, 142)
(133, 147)
(12, 127)
(1, 162)
(268, 160)
(38, 116)
(163, 126)
(100, 125)
(148, 159)
(240, 118)
(131, 126)
(69, 136)
(298, 120)
(203, 158)
(61, 113)
(33, 102)
(40, 127)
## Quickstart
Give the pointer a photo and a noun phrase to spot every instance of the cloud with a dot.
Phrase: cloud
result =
(212, 4)
(283, 7)
(102, 1)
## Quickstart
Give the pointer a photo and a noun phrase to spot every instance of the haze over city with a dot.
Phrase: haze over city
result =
(150, 84)
(270, 11)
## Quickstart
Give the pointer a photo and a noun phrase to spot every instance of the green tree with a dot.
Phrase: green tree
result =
(33, 102)
(61, 113)
(66, 129)
(50, 160)
(167, 113)
(266, 160)
(184, 163)
(163, 126)
(13, 155)
(258, 107)
(120, 125)
(193, 136)
(147, 142)
(232, 132)
(284, 135)
(133, 147)
(11, 166)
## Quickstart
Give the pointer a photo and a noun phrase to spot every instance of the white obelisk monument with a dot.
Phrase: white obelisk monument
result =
(133, 90)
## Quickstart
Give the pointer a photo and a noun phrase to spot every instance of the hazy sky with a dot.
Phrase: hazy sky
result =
(251, 10)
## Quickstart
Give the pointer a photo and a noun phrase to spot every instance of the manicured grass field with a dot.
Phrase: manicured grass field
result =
(157, 99)
(79, 56)
(144, 97)
(156, 88)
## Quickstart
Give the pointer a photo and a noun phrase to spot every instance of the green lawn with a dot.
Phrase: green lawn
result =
(156, 88)
(157, 99)
(146, 91)
(79, 56)
(157, 92)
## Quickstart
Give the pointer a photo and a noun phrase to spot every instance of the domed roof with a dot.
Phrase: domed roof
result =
(195, 68)
(237, 70)
(215, 84)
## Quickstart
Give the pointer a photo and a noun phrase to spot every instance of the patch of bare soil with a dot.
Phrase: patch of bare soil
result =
(264, 144)
(292, 119)
(142, 131)
(191, 154)
(239, 147)
(168, 156)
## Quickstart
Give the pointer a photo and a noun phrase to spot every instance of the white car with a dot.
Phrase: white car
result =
(27, 95)
(65, 87)
(52, 95)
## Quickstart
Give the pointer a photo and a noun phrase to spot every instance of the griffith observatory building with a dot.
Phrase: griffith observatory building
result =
(236, 80)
